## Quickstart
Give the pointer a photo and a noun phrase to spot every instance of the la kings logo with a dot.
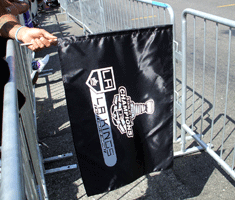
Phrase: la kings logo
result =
(101, 81)
(124, 111)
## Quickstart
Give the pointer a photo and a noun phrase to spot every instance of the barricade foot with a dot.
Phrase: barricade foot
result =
(59, 169)
(190, 150)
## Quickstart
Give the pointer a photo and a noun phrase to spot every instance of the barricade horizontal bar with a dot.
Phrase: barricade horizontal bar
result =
(155, 3)
(210, 17)
(59, 157)
(60, 169)
(188, 151)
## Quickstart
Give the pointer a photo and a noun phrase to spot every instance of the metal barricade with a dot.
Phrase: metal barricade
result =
(207, 63)
(103, 15)
(93, 16)
(72, 10)
(22, 173)
(64, 4)
(128, 14)
(203, 94)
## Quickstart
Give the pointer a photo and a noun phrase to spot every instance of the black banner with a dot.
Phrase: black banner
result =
(119, 91)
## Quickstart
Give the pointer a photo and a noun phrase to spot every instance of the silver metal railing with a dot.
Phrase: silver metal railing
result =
(103, 15)
(22, 168)
(22, 172)
(11, 187)
(209, 72)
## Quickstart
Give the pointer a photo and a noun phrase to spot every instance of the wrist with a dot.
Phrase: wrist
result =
(19, 34)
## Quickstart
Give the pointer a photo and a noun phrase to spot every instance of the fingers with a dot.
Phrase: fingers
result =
(51, 38)
(45, 39)
(34, 45)
(48, 42)
(39, 38)
(39, 44)
(42, 43)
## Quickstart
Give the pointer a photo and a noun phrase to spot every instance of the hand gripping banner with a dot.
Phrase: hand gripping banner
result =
(119, 91)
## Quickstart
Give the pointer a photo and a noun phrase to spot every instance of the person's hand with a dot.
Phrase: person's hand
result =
(39, 38)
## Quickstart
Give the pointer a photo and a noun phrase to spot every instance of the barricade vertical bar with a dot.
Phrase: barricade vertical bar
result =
(158, 15)
(122, 20)
(130, 13)
(126, 13)
(184, 79)
(103, 16)
(138, 6)
(143, 15)
(152, 15)
(215, 78)
(112, 18)
(164, 16)
(148, 14)
(194, 68)
(115, 22)
(134, 15)
(109, 14)
(115, 14)
(227, 84)
(203, 75)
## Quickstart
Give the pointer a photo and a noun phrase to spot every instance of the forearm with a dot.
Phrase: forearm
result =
(13, 7)
(8, 26)
(17, 8)
(11, 28)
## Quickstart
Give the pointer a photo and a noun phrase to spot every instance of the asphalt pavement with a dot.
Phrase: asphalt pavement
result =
(196, 176)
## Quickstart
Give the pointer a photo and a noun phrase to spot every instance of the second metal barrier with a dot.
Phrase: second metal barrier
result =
(207, 63)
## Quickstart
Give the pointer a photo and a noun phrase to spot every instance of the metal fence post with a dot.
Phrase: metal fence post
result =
(184, 79)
